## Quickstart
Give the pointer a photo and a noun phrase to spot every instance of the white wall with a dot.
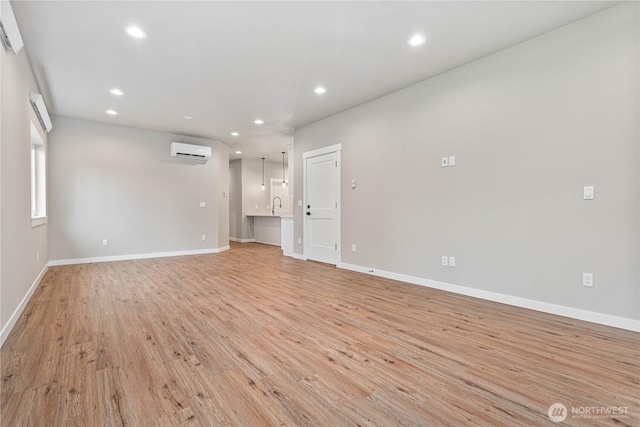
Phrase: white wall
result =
(529, 126)
(19, 242)
(120, 183)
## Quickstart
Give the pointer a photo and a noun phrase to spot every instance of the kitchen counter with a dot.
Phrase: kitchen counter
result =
(266, 228)
(273, 230)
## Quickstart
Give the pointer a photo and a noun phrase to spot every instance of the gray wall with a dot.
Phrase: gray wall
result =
(19, 242)
(223, 193)
(529, 126)
(119, 183)
(246, 177)
(252, 195)
(235, 199)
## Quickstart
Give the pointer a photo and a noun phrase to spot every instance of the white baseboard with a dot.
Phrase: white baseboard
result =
(235, 239)
(299, 256)
(136, 256)
(268, 243)
(18, 311)
(560, 310)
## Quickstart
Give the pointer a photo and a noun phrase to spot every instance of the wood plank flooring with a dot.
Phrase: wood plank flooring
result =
(251, 338)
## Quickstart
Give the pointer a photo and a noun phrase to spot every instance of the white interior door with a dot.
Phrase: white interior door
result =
(321, 208)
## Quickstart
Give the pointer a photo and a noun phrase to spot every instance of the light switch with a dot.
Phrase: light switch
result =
(299, 202)
(445, 162)
(588, 193)
(203, 204)
(353, 183)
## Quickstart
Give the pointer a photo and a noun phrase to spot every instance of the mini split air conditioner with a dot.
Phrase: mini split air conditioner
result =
(9, 32)
(190, 151)
(41, 111)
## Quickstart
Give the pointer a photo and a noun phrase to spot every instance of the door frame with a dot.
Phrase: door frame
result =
(336, 148)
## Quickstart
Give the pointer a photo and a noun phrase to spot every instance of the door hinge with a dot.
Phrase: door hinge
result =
(336, 246)
(336, 205)
(336, 163)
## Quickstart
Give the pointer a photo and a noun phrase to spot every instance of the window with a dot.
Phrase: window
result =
(38, 179)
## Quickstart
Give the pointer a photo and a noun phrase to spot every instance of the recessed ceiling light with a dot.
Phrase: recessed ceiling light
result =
(188, 117)
(319, 90)
(234, 134)
(258, 121)
(238, 152)
(136, 32)
(112, 112)
(116, 91)
(416, 40)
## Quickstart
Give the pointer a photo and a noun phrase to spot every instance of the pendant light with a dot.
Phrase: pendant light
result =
(284, 183)
(262, 173)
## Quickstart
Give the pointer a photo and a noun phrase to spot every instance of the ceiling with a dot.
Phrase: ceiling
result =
(226, 64)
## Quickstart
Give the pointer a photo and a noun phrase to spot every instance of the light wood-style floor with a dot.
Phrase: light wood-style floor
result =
(251, 338)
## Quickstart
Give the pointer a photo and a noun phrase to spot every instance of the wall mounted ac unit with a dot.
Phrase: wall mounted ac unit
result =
(190, 151)
(41, 111)
(9, 32)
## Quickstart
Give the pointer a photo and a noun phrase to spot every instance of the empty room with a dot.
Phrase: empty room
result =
(308, 213)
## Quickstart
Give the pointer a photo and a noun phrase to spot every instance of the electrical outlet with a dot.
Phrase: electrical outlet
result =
(203, 204)
(587, 193)
(353, 247)
(452, 160)
(105, 242)
(452, 261)
(204, 237)
(445, 261)
(587, 279)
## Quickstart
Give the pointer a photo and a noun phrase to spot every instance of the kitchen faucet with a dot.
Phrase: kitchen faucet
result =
(273, 205)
